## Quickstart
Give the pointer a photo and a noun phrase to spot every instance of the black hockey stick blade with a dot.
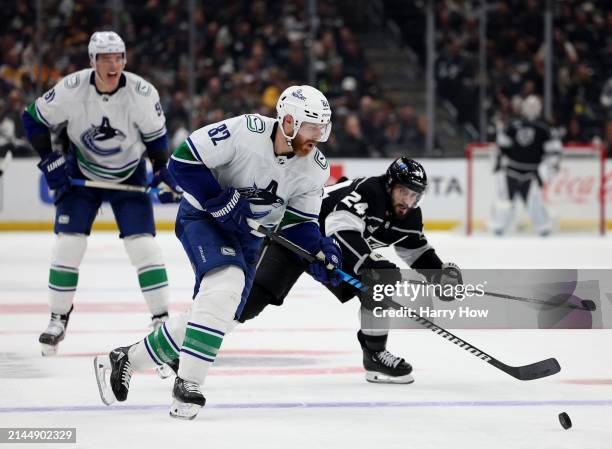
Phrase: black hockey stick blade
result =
(543, 368)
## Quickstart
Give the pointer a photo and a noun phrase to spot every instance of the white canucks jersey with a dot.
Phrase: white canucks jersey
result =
(107, 131)
(240, 153)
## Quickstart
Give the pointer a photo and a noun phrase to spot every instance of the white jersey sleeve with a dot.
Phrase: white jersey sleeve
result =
(151, 119)
(214, 145)
(54, 106)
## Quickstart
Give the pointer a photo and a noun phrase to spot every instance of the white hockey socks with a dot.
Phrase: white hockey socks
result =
(161, 346)
(68, 252)
(212, 313)
(371, 325)
(146, 257)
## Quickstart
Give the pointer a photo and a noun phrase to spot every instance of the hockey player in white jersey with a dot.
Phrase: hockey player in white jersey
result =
(112, 118)
(248, 166)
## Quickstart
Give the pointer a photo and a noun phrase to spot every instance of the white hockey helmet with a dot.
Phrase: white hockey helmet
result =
(306, 105)
(531, 107)
(105, 42)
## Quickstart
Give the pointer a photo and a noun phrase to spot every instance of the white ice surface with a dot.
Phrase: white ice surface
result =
(292, 377)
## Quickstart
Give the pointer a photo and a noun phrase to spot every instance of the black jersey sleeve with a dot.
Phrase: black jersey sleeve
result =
(414, 245)
(348, 219)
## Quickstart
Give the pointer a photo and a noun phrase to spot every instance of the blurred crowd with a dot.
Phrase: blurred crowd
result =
(582, 61)
(247, 52)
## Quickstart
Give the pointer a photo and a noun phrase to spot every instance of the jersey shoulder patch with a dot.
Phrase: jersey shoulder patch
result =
(321, 160)
(255, 123)
(138, 84)
(142, 88)
(72, 81)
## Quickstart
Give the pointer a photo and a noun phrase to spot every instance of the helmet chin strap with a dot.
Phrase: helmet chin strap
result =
(288, 139)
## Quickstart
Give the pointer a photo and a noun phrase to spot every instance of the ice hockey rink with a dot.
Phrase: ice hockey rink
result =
(292, 378)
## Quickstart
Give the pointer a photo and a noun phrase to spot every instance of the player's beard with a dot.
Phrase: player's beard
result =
(400, 210)
(302, 147)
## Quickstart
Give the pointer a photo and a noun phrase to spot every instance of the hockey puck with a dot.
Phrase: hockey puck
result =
(589, 305)
(565, 420)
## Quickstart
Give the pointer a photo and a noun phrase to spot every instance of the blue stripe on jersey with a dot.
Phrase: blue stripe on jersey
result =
(306, 235)
(193, 149)
(197, 180)
(31, 126)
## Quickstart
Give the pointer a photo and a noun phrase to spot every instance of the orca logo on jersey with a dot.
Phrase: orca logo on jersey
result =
(103, 140)
(262, 197)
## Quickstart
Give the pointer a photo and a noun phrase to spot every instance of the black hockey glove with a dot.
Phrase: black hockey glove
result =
(447, 278)
(376, 270)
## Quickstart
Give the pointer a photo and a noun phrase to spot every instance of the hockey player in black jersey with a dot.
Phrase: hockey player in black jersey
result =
(362, 215)
(529, 154)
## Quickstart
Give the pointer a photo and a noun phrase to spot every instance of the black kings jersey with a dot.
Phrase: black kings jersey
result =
(524, 144)
(358, 214)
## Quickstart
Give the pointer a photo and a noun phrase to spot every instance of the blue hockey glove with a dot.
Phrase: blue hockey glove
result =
(53, 167)
(230, 210)
(333, 254)
(169, 190)
(449, 275)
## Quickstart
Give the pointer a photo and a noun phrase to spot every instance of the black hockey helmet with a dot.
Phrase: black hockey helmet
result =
(407, 172)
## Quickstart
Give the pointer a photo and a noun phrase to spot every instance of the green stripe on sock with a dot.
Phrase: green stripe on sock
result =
(161, 346)
(152, 277)
(63, 279)
(202, 342)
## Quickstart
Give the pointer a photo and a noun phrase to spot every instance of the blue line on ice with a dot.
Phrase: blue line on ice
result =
(281, 405)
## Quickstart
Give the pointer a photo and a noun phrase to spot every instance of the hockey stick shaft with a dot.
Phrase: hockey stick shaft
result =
(112, 186)
(310, 258)
(8, 157)
(536, 370)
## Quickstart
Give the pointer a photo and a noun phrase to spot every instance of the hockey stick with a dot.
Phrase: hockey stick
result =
(8, 157)
(536, 370)
(585, 304)
(112, 186)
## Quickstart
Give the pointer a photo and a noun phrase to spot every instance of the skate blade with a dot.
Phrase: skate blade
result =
(48, 350)
(380, 378)
(164, 371)
(184, 410)
(101, 367)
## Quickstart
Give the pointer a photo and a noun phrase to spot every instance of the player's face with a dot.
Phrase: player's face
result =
(403, 199)
(109, 67)
(307, 137)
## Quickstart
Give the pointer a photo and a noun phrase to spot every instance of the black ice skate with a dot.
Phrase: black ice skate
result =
(117, 385)
(188, 399)
(381, 366)
(55, 332)
(384, 367)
